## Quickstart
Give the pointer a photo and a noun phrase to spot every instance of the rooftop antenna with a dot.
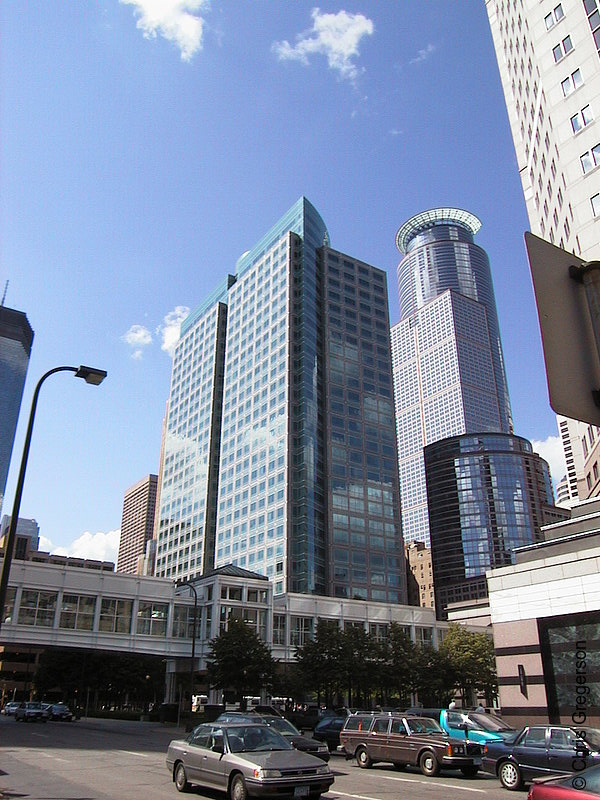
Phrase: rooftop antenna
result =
(4, 295)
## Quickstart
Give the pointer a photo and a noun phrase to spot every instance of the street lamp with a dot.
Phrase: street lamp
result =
(192, 664)
(89, 375)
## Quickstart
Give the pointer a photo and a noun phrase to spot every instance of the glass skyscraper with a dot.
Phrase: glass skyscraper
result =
(449, 376)
(16, 338)
(279, 452)
(487, 493)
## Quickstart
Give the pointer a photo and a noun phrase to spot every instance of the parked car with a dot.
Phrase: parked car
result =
(246, 759)
(541, 750)
(60, 711)
(305, 743)
(10, 708)
(403, 740)
(31, 711)
(584, 785)
(328, 731)
(478, 727)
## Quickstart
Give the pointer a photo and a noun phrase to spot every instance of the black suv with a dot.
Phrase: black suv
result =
(403, 740)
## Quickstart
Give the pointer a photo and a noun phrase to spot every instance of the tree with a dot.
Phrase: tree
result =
(472, 659)
(238, 659)
(401, 655)
(319, 661)
(432, 676)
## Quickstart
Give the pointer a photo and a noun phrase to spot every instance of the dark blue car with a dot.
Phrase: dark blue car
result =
(541, 750)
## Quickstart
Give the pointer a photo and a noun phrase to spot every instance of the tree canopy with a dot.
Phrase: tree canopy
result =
(240, 661)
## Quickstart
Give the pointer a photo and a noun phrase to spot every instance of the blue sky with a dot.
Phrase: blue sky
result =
(145, 144)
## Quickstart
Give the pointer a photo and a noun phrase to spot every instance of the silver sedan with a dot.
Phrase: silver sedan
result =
(246, 760)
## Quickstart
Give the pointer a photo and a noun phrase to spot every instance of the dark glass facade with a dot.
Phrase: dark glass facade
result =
(487, 494)
(366, 551)
(16, 338)
(570, 647)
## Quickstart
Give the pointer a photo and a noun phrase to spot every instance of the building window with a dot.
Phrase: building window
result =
(591, 8)
(571, 83)
(554, 17)
(581, 119)
(562, 48)
(37, 608)
(152, 618)
(590, 159)
(279, 629)
(301, 630)
(595, 201)
(183, 622)
(9, 605)
(115, 616)
(77, 612)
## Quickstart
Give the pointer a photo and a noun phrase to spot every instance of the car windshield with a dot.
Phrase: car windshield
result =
(423, 725)
(282, 725)
(253, 738)
(489, 722)
(592, 738)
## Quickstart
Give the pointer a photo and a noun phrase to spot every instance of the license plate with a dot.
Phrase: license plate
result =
(300, 791)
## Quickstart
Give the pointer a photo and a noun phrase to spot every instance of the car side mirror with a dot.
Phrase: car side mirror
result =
(218, 746)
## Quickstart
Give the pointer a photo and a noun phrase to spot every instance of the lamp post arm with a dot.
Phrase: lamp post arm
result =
(12, 530)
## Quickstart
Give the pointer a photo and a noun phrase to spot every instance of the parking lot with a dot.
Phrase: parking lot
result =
(104, 759)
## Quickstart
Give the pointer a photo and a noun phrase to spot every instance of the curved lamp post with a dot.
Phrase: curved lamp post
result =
(193, 658)
(89, 375)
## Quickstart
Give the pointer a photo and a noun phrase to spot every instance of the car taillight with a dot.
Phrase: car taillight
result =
(485, 749)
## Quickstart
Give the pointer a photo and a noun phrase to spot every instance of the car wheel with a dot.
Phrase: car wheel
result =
(363, 759)
(469, 772)
(181, 781)
(400, 766)
(237, 788)
(428, 764)
(510, 775)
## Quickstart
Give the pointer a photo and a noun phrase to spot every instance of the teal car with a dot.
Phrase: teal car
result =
(476, 726)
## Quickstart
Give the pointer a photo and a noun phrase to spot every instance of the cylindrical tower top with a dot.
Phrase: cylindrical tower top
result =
(432, 218)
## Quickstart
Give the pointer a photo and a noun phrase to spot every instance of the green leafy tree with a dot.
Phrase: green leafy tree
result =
(239, 660)
(319, 662)
(401, 655)
(472, 660)
(433, 678)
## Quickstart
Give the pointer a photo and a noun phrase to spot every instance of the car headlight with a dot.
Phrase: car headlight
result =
(324, 770)
(456, 749)
(260, 773)
(322, 748)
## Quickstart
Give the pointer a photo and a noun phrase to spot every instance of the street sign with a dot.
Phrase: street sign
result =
(570, 350)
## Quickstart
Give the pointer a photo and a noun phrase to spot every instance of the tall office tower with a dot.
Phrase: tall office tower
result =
(279, 452)
(16, 338)
(448, 366)
(548, 58)
(137, 524)
(488, 493)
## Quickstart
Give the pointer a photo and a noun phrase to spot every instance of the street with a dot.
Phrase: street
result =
(93, 759)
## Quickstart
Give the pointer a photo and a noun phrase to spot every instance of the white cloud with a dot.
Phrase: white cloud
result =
(176, 20)
(336, 36)
(98, 546)
(169, 330)
(551, 450)
(137, 337)
(423, 55)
